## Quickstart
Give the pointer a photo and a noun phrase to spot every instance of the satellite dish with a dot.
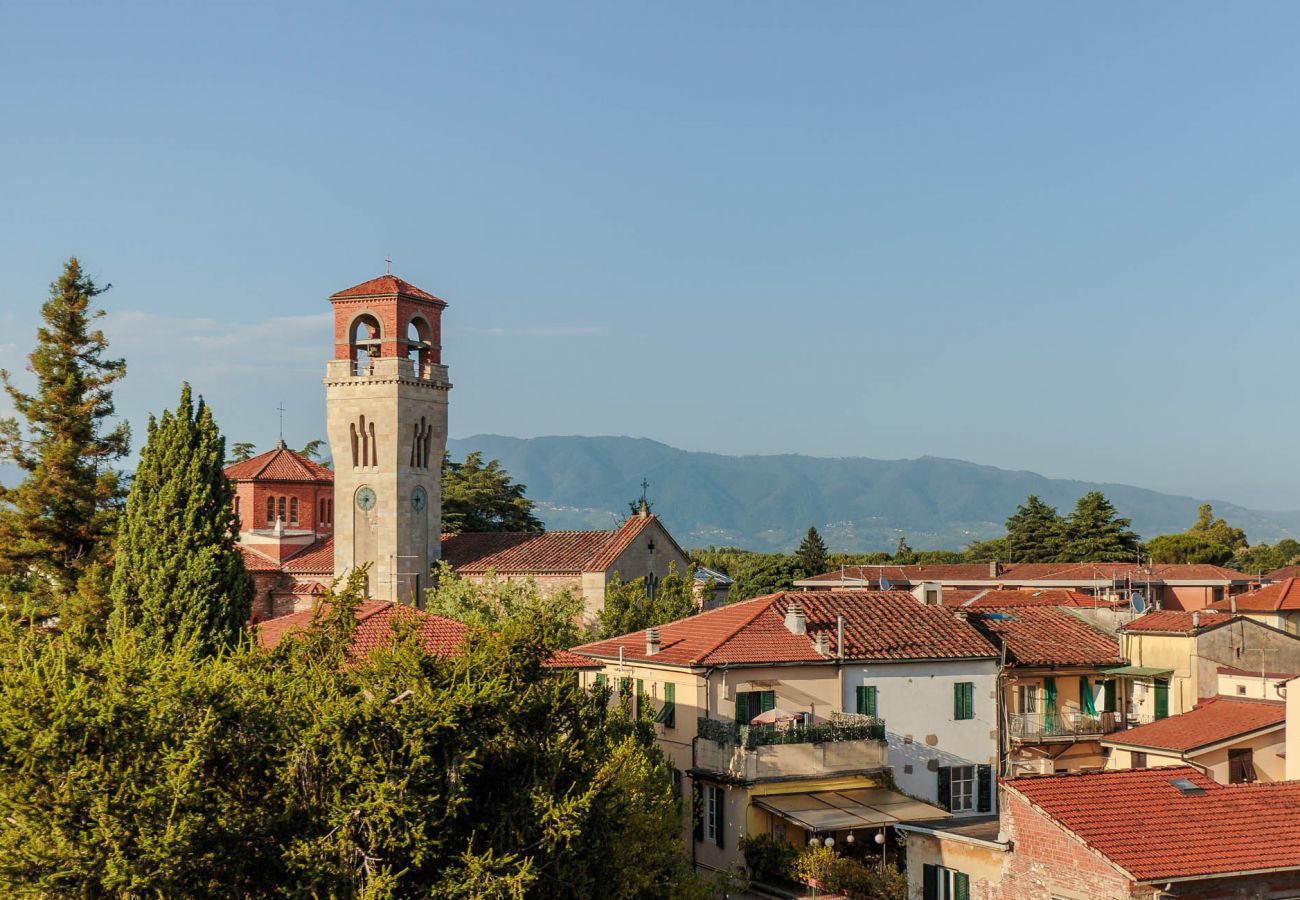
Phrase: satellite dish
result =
(885, 583)
(1138, 602)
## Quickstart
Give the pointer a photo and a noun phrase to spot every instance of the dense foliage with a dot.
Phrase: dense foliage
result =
(56, 524)
(178, 573)
(492, 601)
(138, 768)
(478, 496)
(771, 860)
(811, 555)
(629, 606)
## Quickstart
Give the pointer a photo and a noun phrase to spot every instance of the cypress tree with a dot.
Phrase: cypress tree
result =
(178, 574)
(812, 553)
(904, 555)
(59, 519)
(1034, 532)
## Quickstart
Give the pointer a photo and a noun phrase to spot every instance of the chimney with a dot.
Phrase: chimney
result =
(1196, 619)
(822, 643)
(651, 641)
(1232, 604)
(995, 569)
(795, 622)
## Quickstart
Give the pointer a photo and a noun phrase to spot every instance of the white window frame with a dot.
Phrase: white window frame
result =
(962, 789)
(712, 801)
(946, 883)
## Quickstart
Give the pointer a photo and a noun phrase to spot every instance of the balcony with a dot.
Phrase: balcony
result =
(391, 367)
(848, 745)
(1067, 726)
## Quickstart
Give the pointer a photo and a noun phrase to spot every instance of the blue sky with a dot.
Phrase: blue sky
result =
(1038, 236)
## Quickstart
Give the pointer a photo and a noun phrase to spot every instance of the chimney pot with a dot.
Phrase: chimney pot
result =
(995, 569)
(1232, 604)
(795, 622)
(651, 641)
(1196, 618)
(822, 643)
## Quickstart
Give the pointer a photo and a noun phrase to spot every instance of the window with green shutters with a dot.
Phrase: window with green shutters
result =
(867, 700)
(600, 679)
(940, 883)
(751, 703)
(640, 697)
(963, 700)
(667, 715)
(1108, 699)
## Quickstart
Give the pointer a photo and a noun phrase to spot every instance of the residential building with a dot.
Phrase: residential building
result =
(962, 858)
(1174, 657)
(1232, 740)
(1162, 585)
(581, 561)
(862, 683)
(1148, 833)
(1059, 696)
(712, 588)
(1276, 605)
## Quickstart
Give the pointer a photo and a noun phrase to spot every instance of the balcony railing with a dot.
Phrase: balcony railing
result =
(848, 728)
(749, 753)
(1064, 726)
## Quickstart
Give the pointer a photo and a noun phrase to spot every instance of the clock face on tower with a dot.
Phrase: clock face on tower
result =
(418, 499)
(366, 498)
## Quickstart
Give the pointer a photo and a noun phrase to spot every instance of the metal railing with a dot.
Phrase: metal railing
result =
(848, 728)
(1041, 726)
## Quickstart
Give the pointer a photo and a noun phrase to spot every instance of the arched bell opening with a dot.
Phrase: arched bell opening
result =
(419, 341)
(364, 340)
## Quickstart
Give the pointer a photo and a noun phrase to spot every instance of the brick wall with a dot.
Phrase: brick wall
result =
(1048, 859)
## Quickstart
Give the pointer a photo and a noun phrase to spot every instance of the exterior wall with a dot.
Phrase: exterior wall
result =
(1049, 862)
(981, 862)
(1293, 730)
(1268, 756)
(398, 541)
(1189, 597)
(1174, 652)
(252, 495)
(1123, 759)
(813, 689)
(639, 560)
(1268, 688)
(1065, 750)
(1278, 886)
(916, 701)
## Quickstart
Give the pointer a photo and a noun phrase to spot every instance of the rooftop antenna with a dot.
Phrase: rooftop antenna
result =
(388, 265)
(280, 408)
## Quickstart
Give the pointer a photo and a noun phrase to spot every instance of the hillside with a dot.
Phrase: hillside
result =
(768, 502)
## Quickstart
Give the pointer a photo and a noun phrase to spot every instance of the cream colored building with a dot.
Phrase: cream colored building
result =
(581, 561)
(824, 771)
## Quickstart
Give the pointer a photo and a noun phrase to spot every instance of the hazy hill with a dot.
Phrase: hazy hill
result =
(768, 502)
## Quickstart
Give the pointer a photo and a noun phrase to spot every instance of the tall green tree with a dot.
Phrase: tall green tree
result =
(904, 555)
(764, 573)
(812, 553)
(178, 573)
(241, 452)
(315, 451)
(1217, 530)
(60, 518)
(1035, 532)
(478, 496)
(630, 606)
(1095, 532)
(1187, 548)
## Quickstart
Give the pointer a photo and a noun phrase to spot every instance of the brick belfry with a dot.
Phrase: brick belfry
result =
(386, 417)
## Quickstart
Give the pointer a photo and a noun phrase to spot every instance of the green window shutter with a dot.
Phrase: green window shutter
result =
(742, 707)
(600, 679)
(667, 715)
(866, 700)
(960, 886)
(930, 882)
(984, 787)
(625, 687)
(766, 701)
(1162, 697)
(963, 700)
(697, 809)
(945, 787)
(1086, 703)
(1108, 701)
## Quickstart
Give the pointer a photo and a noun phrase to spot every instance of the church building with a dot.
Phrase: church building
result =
(303, 524)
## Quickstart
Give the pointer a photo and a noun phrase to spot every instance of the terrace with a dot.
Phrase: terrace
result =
(750, 753)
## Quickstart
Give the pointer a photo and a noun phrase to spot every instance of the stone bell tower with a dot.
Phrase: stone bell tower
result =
(386, 417)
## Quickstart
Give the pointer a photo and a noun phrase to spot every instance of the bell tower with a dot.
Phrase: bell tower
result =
(386, 418)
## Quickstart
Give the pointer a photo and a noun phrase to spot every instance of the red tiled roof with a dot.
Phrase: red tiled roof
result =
(1141, 822)
(877, 625)
(563, 659)
(1012, 573)
(1284, 595)
(314, 559)
(375, 619)
(385, 285)
(1177, 621)
(1212, 721)
(542, 552)
(1284, 572)
(1041, 597)
(256, 562)
(279, 464)
(1046, 636)
(1233, 670)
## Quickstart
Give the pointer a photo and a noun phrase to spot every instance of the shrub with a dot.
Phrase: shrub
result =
(767, 857)
(848, 876)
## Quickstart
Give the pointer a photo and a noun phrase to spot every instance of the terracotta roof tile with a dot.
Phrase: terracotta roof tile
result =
(1046, 636)
(1214, 720)
(542, 552)
(877, 625)
(314, 559)
(1177, 621)
(257, 562)
(976, 599)
(385, 286)
(1282, 573)
(1011, 573)
(279, 464)
(1284, 595)
(1140, 821)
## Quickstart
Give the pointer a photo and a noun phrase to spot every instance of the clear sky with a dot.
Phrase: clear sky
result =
(1044, 236)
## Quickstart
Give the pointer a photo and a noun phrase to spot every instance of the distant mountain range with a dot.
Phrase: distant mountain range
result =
(858, 504)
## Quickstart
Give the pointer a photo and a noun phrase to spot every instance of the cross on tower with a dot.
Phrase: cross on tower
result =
(388, 265)
(281, 410)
